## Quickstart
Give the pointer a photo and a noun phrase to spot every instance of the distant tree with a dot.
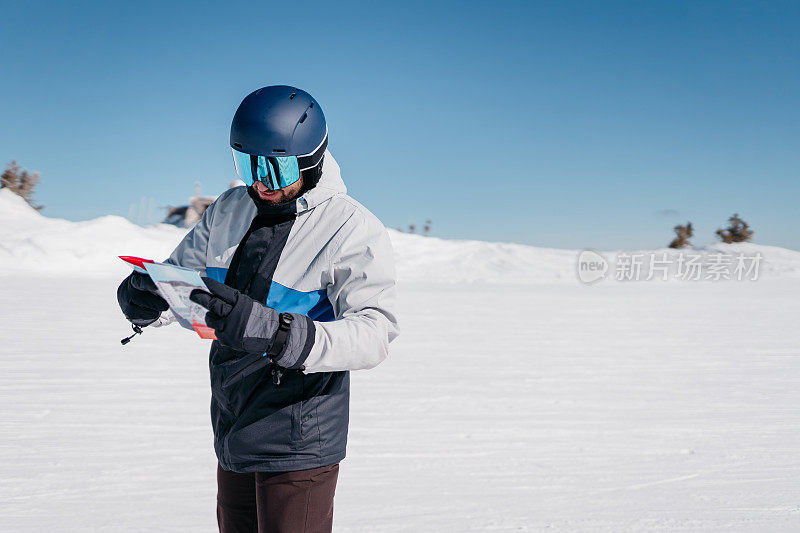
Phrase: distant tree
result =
(412, 228)
(427, 227)
(683, 234)
(21, 182)
(737, 231)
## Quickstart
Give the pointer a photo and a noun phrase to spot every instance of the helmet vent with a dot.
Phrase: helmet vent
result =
(237, 145)
(279, 151)
(305, 116)
(311, 105)
(293, 95)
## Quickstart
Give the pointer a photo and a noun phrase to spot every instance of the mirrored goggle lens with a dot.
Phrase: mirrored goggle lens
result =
(274, 172)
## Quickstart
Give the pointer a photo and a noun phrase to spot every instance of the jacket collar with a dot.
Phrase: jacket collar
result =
(330, 184)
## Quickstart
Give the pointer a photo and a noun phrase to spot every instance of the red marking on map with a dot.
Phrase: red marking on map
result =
(204, 331)
(136, 262)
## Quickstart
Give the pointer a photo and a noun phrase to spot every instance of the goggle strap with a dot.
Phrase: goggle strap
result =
(254, 167)
(273, 173)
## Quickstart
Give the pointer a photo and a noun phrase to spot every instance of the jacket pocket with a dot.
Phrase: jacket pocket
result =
(297, 422)
(269, 417)
(269, 435)
(298, 386)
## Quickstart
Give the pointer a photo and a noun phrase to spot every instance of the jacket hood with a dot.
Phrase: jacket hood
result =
(329, 185)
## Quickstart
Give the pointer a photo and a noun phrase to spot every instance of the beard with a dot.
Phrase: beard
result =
(281, 198)
(284, 195)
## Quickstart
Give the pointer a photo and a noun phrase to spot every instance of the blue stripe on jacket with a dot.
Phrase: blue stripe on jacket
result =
(314, 304)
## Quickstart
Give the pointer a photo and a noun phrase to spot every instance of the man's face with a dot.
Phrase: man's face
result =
(280, 195)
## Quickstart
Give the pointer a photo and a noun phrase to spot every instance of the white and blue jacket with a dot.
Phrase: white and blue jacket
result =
(326, 258)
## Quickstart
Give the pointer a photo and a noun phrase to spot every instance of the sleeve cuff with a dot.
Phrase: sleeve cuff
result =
(299, 343)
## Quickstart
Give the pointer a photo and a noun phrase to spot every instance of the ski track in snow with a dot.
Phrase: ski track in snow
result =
(616, 407)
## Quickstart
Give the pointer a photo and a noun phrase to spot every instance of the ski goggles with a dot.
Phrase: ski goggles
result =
(274, 172)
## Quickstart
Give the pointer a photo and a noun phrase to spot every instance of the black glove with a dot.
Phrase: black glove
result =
(244, 324)
(139, 300)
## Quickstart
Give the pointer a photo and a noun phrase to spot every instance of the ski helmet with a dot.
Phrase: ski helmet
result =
(277, 132)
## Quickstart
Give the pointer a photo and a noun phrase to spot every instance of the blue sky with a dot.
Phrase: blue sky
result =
(559, 124)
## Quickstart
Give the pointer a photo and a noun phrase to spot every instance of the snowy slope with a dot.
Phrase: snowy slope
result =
(32, 243)
(603, 409)
(513, 402)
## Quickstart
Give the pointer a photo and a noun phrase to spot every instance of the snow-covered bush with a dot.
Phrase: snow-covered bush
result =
(683, 234)
(21, 182)
(737, 231)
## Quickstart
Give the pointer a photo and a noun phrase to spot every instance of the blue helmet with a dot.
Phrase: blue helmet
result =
(277, 132)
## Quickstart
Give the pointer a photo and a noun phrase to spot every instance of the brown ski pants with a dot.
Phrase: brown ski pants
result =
(276, 502)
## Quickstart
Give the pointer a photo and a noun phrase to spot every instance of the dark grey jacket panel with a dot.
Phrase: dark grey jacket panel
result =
(262, 423)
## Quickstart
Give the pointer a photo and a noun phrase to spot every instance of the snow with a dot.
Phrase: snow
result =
(32, 243)
(507, 403)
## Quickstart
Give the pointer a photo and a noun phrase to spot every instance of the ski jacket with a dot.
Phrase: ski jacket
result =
(323, 256)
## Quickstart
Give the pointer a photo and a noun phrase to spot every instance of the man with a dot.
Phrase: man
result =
(302, 290)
